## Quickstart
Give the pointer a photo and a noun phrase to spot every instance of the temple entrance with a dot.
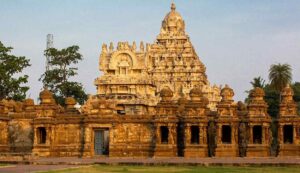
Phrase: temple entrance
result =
(164, 132)
(257, 134)
(101, 142)
(41, 134)
(194, 134)
(288, 134)
(226, 134)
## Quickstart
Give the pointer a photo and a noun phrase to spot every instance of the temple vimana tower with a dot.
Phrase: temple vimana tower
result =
(153, 100)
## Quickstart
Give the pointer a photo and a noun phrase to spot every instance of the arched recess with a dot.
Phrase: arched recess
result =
(116, 58)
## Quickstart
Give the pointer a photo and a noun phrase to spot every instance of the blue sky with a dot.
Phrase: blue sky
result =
(237, 40)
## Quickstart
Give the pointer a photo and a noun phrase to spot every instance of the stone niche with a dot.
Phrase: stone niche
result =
(227, 123)
(289, 125)
(195, 124)
(259, 121)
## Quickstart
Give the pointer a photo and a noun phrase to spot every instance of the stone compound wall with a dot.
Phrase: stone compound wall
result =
(67, 140)
(131, 139)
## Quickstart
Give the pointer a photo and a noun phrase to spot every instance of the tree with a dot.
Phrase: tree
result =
(258, 82)
(272, 98)
(11, 86)
(296, 88)
(57, 78)
(280, 75)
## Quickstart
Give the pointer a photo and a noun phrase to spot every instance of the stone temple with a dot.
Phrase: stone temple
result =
(151, 101)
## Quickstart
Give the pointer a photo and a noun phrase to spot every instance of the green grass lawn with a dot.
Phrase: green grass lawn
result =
(177, 169)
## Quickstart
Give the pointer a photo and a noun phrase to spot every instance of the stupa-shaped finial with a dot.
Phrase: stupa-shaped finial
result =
(173, 6)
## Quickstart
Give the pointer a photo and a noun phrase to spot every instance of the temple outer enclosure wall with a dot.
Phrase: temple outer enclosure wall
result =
(155, 101)
(170, 129)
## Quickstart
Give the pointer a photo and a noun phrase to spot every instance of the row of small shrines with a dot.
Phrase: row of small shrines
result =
(170, 129)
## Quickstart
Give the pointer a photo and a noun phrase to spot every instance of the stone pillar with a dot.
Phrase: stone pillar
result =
(294, 134)
(268, 135)
(232, 134)
(200, 134)
(251, 134)
(35, 136)
(87, 141)
(52, 133)
(157, 134)
(204, 133)
(219, 134)
(263, 135)
(280, 134)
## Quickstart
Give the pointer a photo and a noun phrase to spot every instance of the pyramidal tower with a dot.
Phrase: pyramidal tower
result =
(134, 75)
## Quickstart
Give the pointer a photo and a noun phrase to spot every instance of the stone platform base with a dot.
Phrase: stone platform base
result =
(227, 151)
(131, 152)
(4, 148)
(193, 151)
(289, 150)
(165, 150)
(220, 161)
(257, 150)
(41, 151)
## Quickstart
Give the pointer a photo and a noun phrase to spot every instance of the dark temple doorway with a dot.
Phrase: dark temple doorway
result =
(226, 134)
(195, 134)
(257, 134)
(164, 132)
(288, 134)
(101, 142)
(42, 135)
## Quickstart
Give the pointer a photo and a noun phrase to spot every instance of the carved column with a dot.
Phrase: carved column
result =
(174, 134)
(219, 134)
(280, 134)
(157, 134)
(204, 135)
(232, 134)
(251, 134)
(263, 140)
(35, 136)
(294, 134)
(268, 137)
(200, 133)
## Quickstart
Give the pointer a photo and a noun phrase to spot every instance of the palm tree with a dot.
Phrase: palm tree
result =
(280, 75)
(258, 82)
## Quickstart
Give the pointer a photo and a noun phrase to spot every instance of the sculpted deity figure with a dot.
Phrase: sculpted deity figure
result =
(188, 134)
(172, 138)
